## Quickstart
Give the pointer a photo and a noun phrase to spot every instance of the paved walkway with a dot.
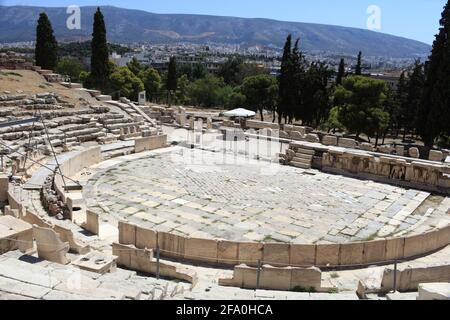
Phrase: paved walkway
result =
(215, 195)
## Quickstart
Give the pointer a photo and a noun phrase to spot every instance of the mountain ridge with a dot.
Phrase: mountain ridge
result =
(132, 25)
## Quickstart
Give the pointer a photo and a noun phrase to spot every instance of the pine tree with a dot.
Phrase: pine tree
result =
(171, 84)
(341, 72)
(358, 68)
(100, 69)
(285, 80)
(46, 52)
(435, 107)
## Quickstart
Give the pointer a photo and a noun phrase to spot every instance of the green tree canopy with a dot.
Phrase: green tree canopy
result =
(210, 92)
(125, 82)
(260, 92)
(135, 66)
(230, 70)
(46, 51)
(362, 100)
(71, 67)
(152, 83)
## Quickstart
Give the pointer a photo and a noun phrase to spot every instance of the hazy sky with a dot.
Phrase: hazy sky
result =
(415, 19)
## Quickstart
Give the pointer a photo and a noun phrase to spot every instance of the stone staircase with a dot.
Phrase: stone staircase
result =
(303, 158)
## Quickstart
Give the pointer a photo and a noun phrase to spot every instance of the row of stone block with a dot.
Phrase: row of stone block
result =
(397, 169)
(273, 278)
(277, 254)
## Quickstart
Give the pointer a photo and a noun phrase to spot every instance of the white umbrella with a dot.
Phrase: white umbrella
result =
(239, 113)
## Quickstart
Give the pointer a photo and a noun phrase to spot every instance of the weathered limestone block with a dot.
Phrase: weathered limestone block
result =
(366, 146)
(439, 273)
(387, 281)
(143, 261)
(395, 249)
(420, 244)
(276, 254)
(146, 238)
(384, 166)
(327, 255)
(261, 125)
(249, 277)
(347, 143)
(414, 153)
(127, 233)
(15, 234)
(330, 140)
(436, 155)
(284, 134)
(66, 235)
(171, 245)
(302, 255)
(374, 251)
(92, 222)
(434, 291)
(311, 137)
(295, 135)
(351, 254)
(203, 250)
(306, 278)
(150, 143)
(290, 154)
(273, 278)
(49, 245)
(97, 262)
(250, 253)
(443, 237)
(227, 253)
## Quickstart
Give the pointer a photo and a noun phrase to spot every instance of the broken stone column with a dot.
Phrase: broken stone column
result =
(182, 116)
(209, 123)
(191, 123)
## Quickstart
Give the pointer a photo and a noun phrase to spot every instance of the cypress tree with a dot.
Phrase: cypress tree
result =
(299, 88)
(46, 52)
(341, 72)
(171, 84)
(358, 69)
(435, 107)
(100, 70)
(401, 103)
(284, 80)
(414, 97)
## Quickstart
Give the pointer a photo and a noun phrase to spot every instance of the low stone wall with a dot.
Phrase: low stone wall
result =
(415, 174)
(254, 124)
(271, 278)
(142, 260)
(72, 166)
(408, 279)
(150, 143)
(228, 253)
